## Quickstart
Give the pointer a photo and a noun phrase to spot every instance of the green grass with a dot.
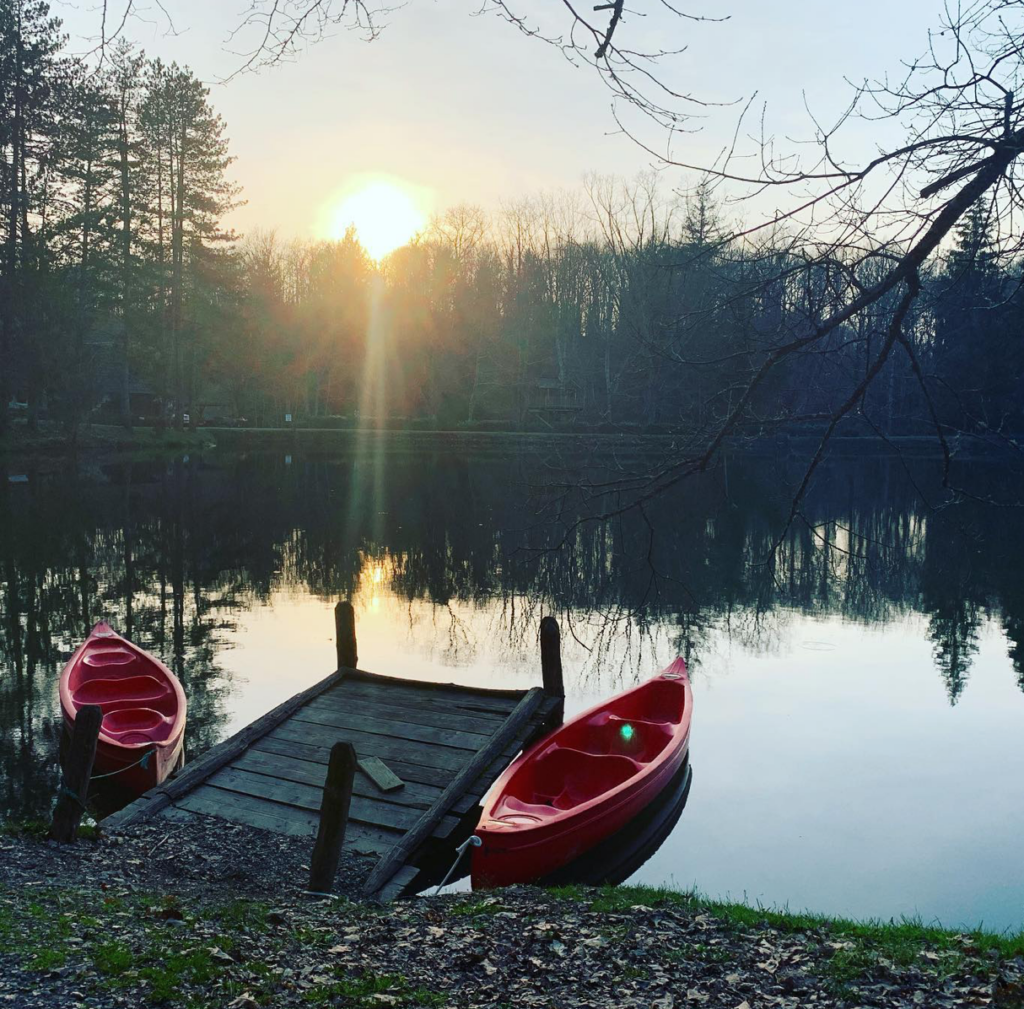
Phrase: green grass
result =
(359, 992)
(243, 914)
(47, 960)
(41, 828)
(165, 974)
(474, 907)
(850, 949)
(112, 957)
(898, 936)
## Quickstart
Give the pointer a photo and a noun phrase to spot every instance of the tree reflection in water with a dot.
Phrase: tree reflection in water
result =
(171, 553)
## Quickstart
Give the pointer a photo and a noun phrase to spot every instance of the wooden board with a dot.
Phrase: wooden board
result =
(380, 774)
(212, 801)
(412, 794)
(410, 772)
(442, 698)
(308, 798)
(399, 883)
(424, 777)
(388, 708)
(443, 758)
(353, 719)
(485, 695)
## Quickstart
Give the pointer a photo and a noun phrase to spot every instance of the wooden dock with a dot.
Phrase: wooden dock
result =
(446, 743)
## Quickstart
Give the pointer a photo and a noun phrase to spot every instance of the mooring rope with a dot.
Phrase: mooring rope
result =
(141, 762)
(471, 841)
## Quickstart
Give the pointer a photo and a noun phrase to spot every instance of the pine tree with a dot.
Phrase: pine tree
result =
(31, 75)
(189, 156)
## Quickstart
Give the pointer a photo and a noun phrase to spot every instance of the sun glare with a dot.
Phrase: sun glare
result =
(385, 215)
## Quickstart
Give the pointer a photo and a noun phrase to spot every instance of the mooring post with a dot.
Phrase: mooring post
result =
(345, 635)
(551, 657)
(333, 817)
(77, 770)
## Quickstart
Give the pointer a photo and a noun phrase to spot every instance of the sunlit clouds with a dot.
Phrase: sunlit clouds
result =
(385, 212)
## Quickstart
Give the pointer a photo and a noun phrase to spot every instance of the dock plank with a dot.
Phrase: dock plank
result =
(394, 709)
(319, 753)
(213, 801)
(355, 719)
(414, 794)
(431, 696)
(308, 797)
(442, 758)
(319, 756)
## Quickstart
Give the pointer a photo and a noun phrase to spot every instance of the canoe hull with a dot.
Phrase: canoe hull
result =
(584, 782)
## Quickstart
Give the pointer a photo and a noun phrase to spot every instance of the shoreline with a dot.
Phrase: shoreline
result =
(114, 921)
(105, 440)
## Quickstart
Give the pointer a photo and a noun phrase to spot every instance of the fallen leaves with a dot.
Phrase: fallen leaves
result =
(531, 949)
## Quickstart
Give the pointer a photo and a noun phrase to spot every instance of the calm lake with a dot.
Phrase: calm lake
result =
(858, 733)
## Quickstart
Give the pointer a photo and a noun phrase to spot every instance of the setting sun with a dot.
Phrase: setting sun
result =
(385, 215)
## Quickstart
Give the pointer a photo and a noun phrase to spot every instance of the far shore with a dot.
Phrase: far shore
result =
(49, 440)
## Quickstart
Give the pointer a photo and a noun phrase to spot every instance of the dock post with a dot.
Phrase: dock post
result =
(77, 770)
(551, 657)
(345, 635)
(330, 836)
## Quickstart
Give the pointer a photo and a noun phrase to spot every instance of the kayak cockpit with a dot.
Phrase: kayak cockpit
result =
(137, 706)
(592, 756)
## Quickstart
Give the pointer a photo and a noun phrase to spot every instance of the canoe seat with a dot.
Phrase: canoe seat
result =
(101, 657)
(606, 734)
(123, 691)
(561, 779)
(658, 700)
(148, 723)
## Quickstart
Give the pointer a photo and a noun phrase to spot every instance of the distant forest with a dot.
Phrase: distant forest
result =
(621, 305)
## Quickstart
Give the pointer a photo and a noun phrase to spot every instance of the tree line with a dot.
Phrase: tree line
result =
(619, 305)
(623, 304)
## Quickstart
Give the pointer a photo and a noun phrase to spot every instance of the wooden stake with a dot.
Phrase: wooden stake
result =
(551, 657)
(345, 635)
(77, 770)
(333, 817)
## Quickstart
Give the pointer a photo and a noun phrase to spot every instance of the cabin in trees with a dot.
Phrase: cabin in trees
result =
(554, 401)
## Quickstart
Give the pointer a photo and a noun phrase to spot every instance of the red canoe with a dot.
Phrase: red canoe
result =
(584, 781)
(143, 708)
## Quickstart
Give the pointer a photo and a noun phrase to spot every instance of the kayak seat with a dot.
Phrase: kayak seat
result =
(561, 779)
(106, 657)
(610, 735)
(656, 701)
(122, 691)
(151, 724)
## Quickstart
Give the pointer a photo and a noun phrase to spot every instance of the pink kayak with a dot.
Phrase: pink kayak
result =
(143, 706)
(584, 781)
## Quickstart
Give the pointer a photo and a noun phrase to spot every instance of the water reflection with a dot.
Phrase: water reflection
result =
(226, 565)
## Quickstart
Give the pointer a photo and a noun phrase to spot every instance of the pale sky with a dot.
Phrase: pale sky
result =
(466, 109)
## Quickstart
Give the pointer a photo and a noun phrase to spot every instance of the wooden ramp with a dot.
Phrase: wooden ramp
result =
(445, 742)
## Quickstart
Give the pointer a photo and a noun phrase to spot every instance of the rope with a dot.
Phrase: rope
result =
(471, 841)
(71, 795)
(141, 762)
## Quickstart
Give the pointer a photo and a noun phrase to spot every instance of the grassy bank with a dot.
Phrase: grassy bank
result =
(99, 439)
(94, 938)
